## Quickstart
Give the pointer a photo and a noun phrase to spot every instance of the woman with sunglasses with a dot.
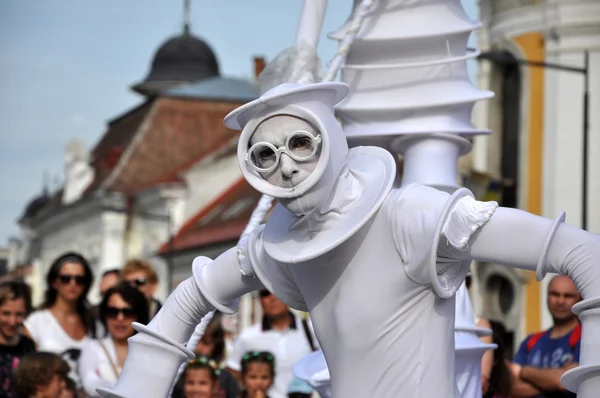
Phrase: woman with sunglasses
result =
(64, 321)
(102, 360)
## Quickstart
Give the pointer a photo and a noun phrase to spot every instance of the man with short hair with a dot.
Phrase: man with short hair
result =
(281, 333)
(109, 279)
(141, 275)
(545, 356)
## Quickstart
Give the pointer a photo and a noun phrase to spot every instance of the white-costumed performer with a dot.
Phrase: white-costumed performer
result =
(469, 350)
(375, 266)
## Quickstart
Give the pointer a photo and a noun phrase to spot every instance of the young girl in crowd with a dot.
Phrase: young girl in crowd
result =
(258, 372)
(212, 347)
(200, 379)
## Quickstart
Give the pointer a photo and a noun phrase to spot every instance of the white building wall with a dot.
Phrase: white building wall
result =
(563, 167)
(570, 27)
(206, 181)
(79, 230)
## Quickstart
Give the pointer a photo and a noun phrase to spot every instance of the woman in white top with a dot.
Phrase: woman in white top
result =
(101, 360)
(64, 321)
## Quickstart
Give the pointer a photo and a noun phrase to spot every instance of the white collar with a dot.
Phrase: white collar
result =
(360, 190)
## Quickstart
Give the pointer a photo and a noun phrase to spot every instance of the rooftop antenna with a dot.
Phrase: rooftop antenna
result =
(186, 17)
(46, 183)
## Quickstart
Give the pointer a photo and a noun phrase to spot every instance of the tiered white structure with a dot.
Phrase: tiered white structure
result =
(468, 347)
(411, 94)
(410, 91)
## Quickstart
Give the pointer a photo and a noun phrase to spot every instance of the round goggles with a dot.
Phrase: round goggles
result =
(300, 146)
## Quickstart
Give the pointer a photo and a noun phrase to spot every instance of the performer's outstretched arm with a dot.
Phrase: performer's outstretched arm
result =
(516, 238)
(157, 351)
(519, 239)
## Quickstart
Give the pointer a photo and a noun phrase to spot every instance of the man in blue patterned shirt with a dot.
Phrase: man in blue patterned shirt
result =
(545, 356)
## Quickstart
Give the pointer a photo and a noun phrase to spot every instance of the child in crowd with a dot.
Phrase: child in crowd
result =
(257, 374)
(200, 379)
(15, 305)
(40, 375)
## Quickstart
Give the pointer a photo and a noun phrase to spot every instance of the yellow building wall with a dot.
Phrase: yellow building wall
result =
(532, 48)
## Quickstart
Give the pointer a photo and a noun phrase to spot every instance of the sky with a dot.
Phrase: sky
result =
(67, 65)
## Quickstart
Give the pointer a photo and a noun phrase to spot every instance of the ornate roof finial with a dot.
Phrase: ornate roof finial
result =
(186, 17)
(46, 184)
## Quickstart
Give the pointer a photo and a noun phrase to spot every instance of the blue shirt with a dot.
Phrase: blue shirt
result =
(548, 353)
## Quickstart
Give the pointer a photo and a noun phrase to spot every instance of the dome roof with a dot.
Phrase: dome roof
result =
(181, 59)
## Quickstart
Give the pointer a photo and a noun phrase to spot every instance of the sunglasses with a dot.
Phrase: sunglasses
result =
(113, 312)
(264, 293)
(66, 279)
(137, 282)
(260, 355)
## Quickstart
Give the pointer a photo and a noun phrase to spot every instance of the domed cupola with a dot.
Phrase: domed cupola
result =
(181, 59)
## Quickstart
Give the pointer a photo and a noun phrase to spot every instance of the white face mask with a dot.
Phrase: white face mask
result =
(300, 180)
(285, 150)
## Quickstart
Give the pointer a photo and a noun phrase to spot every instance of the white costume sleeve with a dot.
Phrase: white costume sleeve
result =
(215, 285)
(274, 276)
(419, 215)
(520, 239)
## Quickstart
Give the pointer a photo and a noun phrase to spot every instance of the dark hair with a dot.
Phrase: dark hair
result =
(500, 379)
(37, 369)
(115, 271)
(258, 357)
(71, 386)
(132, 296)
(13, 290)
(83, 306)
(200, 362)
(215, 332)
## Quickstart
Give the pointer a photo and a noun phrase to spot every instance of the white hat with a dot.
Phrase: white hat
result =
(329, 93)
(286, 237)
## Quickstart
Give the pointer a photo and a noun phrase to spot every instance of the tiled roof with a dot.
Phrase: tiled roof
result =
(115, 140)
(155, 143)
(177, 134)
(221, 221)
(217, 88)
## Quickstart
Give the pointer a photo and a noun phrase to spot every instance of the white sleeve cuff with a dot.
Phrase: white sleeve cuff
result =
(467, 216)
